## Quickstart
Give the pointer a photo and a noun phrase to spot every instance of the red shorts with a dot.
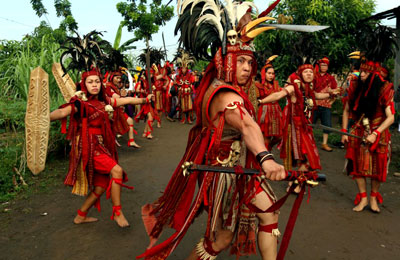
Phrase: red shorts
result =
(102, 168)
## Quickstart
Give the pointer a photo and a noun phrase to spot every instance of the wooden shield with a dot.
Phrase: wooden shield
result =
(37, 120)
(66, 84)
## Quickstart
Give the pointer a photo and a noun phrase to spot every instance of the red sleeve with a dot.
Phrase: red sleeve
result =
(387, 94)
(333, 82)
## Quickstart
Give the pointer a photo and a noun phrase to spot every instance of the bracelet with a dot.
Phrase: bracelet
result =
(377, 133)
(263, 156)
(343, 130)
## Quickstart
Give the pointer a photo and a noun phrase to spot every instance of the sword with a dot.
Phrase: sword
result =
(334, 130)
(297, 28)
(311, 177)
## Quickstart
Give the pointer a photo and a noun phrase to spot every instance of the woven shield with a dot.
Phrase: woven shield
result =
(37, 120)
(65, 83)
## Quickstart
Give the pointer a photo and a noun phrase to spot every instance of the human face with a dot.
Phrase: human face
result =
(308, 75)
(93, 84)
(383, 74)
(270, 74)
(184, 70)
(244, 65)
(323, 67)
(117, 80)
(364, 75)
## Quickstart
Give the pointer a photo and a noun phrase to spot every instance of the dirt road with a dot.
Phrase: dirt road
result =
(326, 227)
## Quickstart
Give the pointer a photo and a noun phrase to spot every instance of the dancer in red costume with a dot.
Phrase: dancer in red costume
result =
(298, 148)
(122, 122)
(370, 105)
(269, 115)
(184, 80)
(93, 157)
(161, 83)
(224, 133)
(146, 112)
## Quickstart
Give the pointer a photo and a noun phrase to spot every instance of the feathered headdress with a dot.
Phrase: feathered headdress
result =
(377, 45)
(183, 59)
(83, 53)
(156, 56)
(268, 64)
(208, 24)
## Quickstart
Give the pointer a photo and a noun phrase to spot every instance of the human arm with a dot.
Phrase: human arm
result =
(131, 100)
(330, 94)
(287, 90)
(251, 132)
(345, 122)
(60, 113)
(382, 127)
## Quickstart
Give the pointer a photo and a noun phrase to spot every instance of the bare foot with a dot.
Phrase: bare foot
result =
(158, 124)
(80, 220)
(121, 220)
(361, 205)
(133, 144)
(149, 136)
(144, 135)
(373, 203)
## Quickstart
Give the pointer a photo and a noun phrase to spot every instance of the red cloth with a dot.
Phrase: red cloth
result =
(363, 161)
(269, 115)
(298, 140)
(322, 84)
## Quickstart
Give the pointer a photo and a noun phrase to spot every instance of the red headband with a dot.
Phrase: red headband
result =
(324, 60)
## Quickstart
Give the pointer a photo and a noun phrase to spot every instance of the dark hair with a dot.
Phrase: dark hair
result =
(367, 105)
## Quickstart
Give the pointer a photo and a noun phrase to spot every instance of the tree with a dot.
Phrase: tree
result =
(336, 42)
(145, 20)
(63, 9)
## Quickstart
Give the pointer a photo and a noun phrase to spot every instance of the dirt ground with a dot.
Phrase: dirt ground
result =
(326, 227)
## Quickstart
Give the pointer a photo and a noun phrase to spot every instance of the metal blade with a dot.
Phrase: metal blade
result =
(334, 130)
(297, 28)
(189, 167)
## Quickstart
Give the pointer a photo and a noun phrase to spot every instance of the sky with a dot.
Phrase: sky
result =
(17, 19)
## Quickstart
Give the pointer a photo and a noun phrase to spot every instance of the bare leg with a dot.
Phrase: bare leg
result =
(373, 200)
(362, 187)
(325, 138)
(222, 241)
(87, 204)
(149, 119)
(116, 172)
(267, 242)
(131, 141)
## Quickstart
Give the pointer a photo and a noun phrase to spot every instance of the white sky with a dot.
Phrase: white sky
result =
(17, 18)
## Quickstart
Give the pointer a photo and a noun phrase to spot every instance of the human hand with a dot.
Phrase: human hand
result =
(345, 139)
(150, 97)
(371, 138)
(273, 171)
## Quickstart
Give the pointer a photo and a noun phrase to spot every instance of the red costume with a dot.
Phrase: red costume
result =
(185, 83)
(298, 140)
(142, 89)
(269, 115)
(93, 152)
(161, 85)
(120, 125)
(223, 196)
(322, 83)
(365, 161)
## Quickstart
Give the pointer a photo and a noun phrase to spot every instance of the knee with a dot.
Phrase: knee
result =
(99, 190)
(129, 120)
(117, 172)
(223, 240)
